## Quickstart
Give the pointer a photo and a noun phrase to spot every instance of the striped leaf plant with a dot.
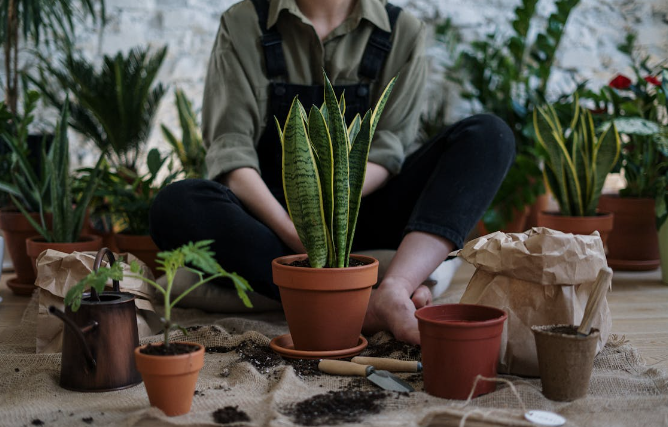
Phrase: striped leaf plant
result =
(577, 157)
(324, 165)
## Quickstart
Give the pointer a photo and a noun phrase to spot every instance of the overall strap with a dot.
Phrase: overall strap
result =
(379, 46)
(271, 42)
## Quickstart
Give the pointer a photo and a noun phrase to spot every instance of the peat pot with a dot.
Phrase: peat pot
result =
(324, 307)
(565, 360)
(170, 380)
(601, 222)
(99, 340)
(459, 342)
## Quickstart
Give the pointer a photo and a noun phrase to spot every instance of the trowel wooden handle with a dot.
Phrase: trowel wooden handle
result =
(597, 295)
(340, 367)
(392, 365)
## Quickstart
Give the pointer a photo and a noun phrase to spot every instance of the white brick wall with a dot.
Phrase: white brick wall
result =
(588, 49)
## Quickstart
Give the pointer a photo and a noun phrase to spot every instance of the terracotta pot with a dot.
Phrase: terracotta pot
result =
(602, 223)
(633, 243)
(36, 245)
(459, 342)
(141, 246)
(541, 204)
(17, 229)
(565, 362)
(170, 380)
(324, 307)
(663, 250)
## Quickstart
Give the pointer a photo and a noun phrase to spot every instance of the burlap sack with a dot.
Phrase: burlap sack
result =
(539, 277)
(57, 272)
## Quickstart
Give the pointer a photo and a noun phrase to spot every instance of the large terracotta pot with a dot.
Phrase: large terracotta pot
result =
(602, 223)
(324, 307)
(170, 380)
(459, 342)
(17, 229)
(633, 243)
(141, 246)
(35, 245)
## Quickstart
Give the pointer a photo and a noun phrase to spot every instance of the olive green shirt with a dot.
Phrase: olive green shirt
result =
(235, 109)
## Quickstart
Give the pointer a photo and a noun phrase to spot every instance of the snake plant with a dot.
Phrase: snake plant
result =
(324, 164)
(577, 159)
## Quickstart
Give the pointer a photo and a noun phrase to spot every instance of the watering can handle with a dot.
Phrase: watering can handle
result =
(78, 332)
(96, 265)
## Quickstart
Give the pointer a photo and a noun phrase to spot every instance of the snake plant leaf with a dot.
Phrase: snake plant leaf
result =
(301, 185)
(353, 128)
(380, 105)
(608, 147)
(358, 160)
(278, 128)
(338, 134)
(322, 144)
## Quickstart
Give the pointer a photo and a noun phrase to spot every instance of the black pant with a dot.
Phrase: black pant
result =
(443, 189)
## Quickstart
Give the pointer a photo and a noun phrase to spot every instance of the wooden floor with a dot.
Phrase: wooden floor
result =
(638, 301)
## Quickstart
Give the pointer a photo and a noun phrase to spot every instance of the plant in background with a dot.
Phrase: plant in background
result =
(113, 106)
(577, 158)
(324, 164)
(507, 75)
(194, 257)
(53, 191)
(189, 149)
(6, 128)
(49, 21)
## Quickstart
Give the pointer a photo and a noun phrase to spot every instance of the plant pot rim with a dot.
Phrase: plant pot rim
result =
(84, 238)
(284, 261)
(200, 349)
(423, 313)
(545, 330)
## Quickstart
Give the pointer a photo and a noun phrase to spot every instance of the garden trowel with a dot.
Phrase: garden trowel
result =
(383, 379)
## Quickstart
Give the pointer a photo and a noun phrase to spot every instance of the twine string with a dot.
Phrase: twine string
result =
(479, 377)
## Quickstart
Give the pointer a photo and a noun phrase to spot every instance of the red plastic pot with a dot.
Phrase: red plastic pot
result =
(459, 342)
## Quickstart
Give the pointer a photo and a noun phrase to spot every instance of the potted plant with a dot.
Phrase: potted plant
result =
(68, 210)
(189, 150)
(33, 20)
(577, 161)
(640, 117)
(323, 296)
(27, 187)
(507, 74)
(169, 369)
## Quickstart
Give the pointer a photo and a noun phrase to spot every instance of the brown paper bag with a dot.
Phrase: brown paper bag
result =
(57, 272)
(539, 277)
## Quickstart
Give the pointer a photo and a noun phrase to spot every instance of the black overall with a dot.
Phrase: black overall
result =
(282, 94)
(442, 189)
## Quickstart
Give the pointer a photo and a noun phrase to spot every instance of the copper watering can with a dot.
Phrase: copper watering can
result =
(99, 339)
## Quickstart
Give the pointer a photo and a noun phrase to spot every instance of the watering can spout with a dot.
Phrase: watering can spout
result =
(78, 332)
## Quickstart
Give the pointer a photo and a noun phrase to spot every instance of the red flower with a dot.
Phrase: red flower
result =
(653, 80)
(620, 82)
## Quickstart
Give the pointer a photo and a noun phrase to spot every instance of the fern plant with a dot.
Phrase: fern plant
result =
(577, 157)
(324, 164)
(194, 257)
(113, 106)
(189, 150)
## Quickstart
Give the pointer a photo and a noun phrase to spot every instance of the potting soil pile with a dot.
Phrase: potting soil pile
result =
(244, 383)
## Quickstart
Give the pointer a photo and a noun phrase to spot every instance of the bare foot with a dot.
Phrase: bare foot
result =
(391, 309)
(421, 297)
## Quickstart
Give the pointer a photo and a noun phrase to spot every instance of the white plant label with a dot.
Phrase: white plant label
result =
(545, 418)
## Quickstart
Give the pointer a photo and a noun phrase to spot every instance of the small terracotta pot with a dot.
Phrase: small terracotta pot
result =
(17, 229)
(141, 246)
(633, 243)
(170, 380)
(36, 245)
(324, 307)
(586, 225)
(565, 361)
(459, 342)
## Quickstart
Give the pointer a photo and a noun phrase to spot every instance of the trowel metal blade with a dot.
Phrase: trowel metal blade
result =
(387, 381)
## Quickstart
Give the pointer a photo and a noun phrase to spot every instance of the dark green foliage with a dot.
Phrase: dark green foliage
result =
(113, 106)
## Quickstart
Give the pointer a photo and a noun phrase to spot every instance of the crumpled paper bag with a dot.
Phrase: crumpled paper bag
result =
(539, 277)
(57, 272)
